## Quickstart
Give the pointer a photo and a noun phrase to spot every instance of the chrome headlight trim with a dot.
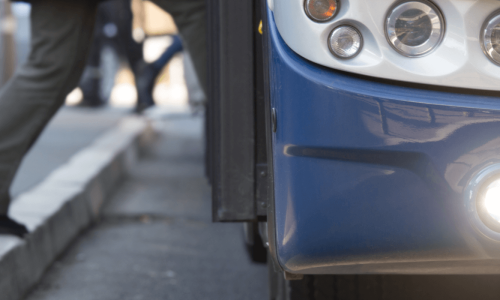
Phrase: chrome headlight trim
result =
(485, 37)
(436, 36)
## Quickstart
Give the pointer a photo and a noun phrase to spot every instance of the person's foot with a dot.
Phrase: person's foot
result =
(141, 107)
(11, 227)
(93, 103)
(90, 87)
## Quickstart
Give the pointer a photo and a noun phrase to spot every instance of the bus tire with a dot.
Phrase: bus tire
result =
(254, 244)
(311, 287)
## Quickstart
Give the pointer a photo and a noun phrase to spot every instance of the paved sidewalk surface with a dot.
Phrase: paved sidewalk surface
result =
(71, 130)
(155, 239)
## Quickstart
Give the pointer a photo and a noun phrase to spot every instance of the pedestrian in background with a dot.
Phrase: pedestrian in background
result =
(147, 74)
(61, 33)
(114, 29)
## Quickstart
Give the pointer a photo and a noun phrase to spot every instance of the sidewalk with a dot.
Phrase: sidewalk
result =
(155, 239)
(78, 162)
(71, 130)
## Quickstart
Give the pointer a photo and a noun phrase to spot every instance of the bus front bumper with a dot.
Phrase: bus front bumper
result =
(372, 177)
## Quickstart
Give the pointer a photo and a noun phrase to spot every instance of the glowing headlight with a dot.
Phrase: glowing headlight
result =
(345, 42)
(488, 204)
(321, 10)
(414, 28)
(492, 201)
(490, 38)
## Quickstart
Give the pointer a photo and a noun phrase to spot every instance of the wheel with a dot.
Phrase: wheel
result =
(312, 287)
(254, 245)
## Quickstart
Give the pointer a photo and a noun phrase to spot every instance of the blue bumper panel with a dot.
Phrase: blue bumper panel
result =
(370, 177)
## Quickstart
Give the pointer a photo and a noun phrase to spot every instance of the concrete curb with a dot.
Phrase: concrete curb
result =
(67, 202)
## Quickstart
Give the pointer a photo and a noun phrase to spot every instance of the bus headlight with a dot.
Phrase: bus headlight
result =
(345, 42)
(482, 201)
(321, 10)
(490, 37)
(488, 203)
(414, 28)
(492, 200)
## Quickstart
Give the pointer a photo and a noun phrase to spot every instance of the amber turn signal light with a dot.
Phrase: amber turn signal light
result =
(321, 10)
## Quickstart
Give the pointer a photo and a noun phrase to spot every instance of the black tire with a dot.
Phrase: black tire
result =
(312, 287)
(254, 245)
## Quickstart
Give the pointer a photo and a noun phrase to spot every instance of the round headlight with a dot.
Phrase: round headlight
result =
(488, 204)
(321, 10)
(414, 28)
(490, 38)
(345, 42)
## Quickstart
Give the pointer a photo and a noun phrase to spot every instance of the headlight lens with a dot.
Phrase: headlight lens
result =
(488, 204)
(345, 41)
(492, 200)
(490, 38)
(414, 28)
(321, 10)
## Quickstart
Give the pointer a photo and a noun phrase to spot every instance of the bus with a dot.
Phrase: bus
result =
(358, 137)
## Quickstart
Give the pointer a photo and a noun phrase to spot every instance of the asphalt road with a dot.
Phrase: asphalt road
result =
(155, 239)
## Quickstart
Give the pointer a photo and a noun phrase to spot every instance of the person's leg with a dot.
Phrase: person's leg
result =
(90, 82)
(173, 49)
(61, 33)
(190, 18)
(132, 49)
(146, 76)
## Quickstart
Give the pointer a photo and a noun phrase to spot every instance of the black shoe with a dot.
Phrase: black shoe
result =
(141, 107)
(9, 226)
(90, 103)
(90, 87)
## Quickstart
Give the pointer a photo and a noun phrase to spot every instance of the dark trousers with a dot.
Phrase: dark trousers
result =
(116, 13)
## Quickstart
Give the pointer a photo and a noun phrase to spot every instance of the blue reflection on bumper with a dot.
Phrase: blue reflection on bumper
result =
(368, 172)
